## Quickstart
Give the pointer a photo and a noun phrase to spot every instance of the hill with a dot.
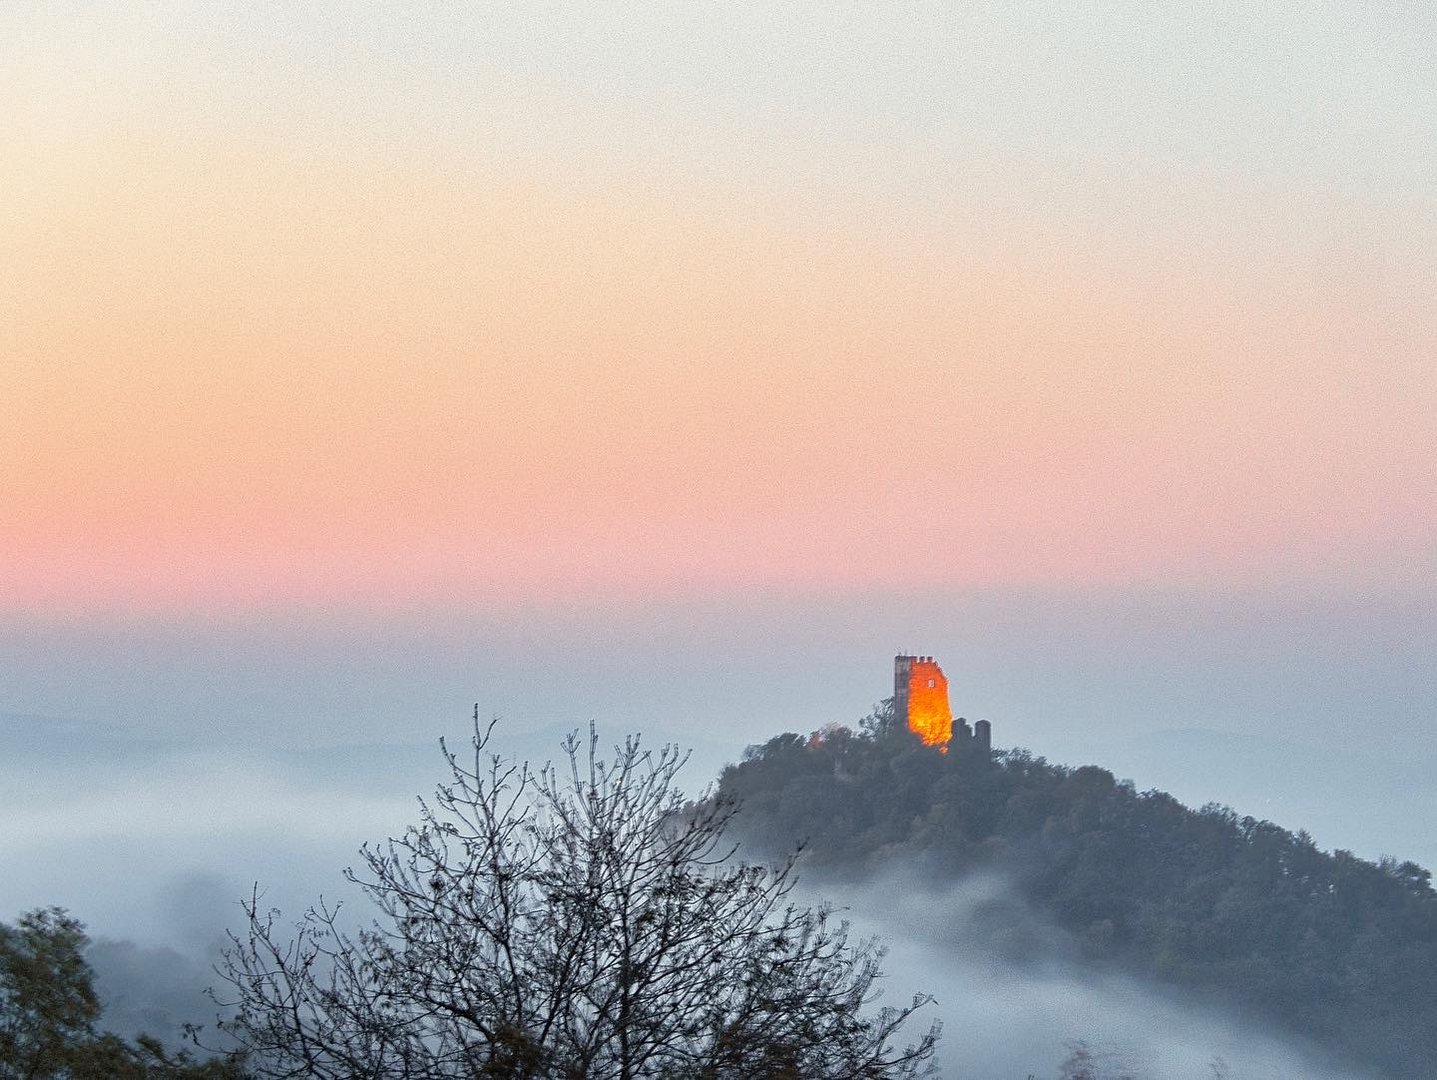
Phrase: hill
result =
(1328, 946)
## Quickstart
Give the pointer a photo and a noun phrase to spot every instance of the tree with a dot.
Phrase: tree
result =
(48, 1013)
(573, 922)
(1326, 945)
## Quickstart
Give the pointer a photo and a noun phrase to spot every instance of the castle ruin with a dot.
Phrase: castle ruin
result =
(920, 703)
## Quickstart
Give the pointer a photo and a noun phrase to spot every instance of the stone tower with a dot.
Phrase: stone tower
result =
(920, 699)
(920, 703)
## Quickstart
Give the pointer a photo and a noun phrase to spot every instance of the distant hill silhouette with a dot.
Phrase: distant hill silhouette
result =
(1326, 945)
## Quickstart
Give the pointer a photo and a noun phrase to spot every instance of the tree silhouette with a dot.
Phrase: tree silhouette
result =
(578, 922)
(49, 1012)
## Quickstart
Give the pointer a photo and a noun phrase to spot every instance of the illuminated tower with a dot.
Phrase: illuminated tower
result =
(920, 699)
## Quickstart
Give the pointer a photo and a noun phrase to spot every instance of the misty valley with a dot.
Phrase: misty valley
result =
(646, 372)
(1057, 871)
(1066, 923)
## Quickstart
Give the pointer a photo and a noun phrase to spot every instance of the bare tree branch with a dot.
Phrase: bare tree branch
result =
(574, 922)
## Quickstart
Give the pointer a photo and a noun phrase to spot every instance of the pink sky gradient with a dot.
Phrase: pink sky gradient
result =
(246, 368)
(669, 367)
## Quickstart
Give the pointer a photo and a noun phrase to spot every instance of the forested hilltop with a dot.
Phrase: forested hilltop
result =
(1327, 945)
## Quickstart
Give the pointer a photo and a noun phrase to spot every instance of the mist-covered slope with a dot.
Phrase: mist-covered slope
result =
(1336, 949)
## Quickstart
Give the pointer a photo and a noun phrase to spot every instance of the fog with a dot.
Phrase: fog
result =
(1011, 994)
(153, 774)
(1310, 707)
(159, 844)
(1012, 997)
(110, 824)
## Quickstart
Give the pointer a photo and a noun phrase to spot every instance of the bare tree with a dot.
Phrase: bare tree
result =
(573, 922)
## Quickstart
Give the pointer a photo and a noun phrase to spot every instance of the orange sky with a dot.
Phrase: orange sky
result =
(243, 366)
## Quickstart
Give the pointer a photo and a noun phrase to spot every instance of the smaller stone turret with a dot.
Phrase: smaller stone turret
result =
(962, 736)
(983, 739)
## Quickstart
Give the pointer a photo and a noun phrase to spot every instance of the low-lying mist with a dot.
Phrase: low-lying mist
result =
(1012, 992)
(154, 846)
(1014, 996)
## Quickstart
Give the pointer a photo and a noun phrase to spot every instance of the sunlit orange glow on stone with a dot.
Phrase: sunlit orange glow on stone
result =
(929, 716)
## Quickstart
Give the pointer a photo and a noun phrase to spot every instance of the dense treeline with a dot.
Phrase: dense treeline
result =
(1331, 946)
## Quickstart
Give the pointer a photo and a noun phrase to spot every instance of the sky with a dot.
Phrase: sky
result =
(674, 366)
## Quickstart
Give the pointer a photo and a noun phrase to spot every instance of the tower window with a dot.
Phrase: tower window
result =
(931, 684)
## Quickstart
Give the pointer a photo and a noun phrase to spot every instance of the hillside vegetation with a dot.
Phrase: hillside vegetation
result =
(1326, 945)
